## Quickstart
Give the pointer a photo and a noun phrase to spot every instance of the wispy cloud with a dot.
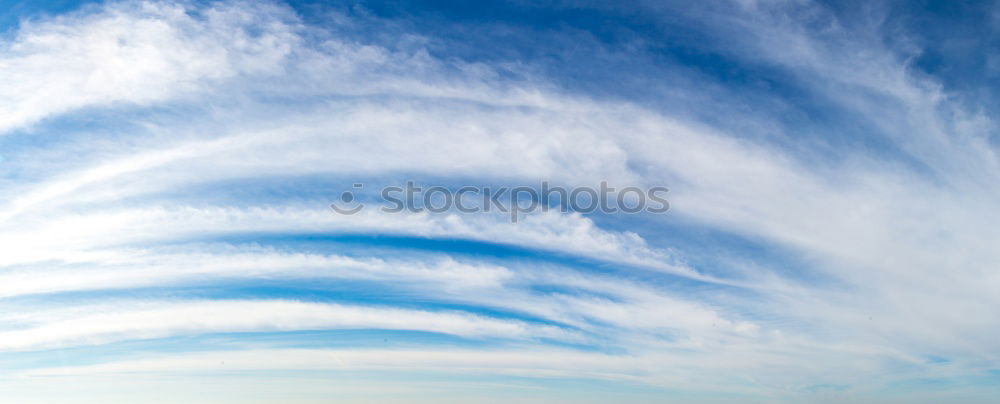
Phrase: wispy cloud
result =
(166, 168)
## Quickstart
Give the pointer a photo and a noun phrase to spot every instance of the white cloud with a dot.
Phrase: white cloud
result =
(110, 322)
(903, 250)
(137, 52)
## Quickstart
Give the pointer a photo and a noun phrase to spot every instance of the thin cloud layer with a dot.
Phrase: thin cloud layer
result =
(167, 169)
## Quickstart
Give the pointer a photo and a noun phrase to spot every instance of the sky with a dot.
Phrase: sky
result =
(167, 170)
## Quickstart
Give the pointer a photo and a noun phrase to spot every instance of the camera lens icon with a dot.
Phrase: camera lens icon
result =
(347, 198)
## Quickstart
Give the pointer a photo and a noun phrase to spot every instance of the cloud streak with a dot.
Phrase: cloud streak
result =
(830, 235)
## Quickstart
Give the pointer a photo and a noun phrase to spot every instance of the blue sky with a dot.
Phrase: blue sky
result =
(166, 171)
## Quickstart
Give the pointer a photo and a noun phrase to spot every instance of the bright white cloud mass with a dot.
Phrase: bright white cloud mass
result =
(166, 172)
